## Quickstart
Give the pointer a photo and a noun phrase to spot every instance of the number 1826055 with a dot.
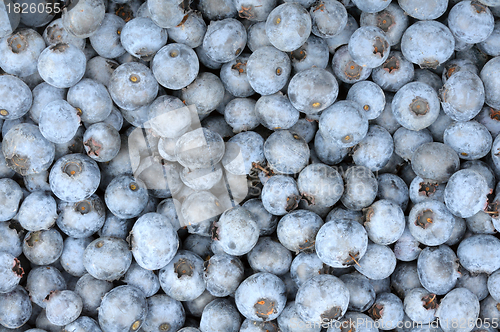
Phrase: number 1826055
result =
(24, 8)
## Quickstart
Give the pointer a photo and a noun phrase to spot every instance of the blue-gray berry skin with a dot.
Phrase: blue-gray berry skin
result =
(341, 242)
(378, 262)
(220, 314)
(297, 230)
(154, 241)
(224, 40)
(392, 20)
(261, 297)
(269, 255)
(164, 313)
(288, 26)
(169, 14)
(392, 187)
(146, 280)
(421, 10)
(11, 194)
(451, 96)
(312, 90)
(465, 193)
(491, 81)
(43, 247)
(106, 40)
(375, 149)
(476, 253)
(331, 308)
(361, 292)
(132, 85)
(81, 219)
(84, 18)
(280, 195)
(369, 46)
(286, 153)
(459, 303)
(16, 97)
(63, 307)
(346, 69)
(405, 278)
(388, 310)
(182, 278)
(59, 121)
(43, 280)
(83, 323)
(92, 110)
(430, 222)
(480, 22)
(107, 258)
(62, 65)
(124, 308)
(381, 228)
(438, 269)
(394, 73)
(275, 111)
(74, 177)
(191, 31)
(15, 308)
(26, 151)
(71, 258)
(435, 161)
(142, 38)
(360, 188)
(223, 274)
(91, 290)
(102, 142)
(11, 272)
(420, 305)
(10, 240)
(175, 66)
(20, 52)
(268, 70)
(427, 43)
(240, 114)
(370, 96)
(126, 196)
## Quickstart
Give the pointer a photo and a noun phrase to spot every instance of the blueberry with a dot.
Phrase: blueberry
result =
(328, 151)
(85, 323)
(430, 222)
(217, 9)
(101, 141)
(107, 258)
(420, 305)
(370, 96)
(249, 146)
(83, 218)
(43, 280)
(438, 269)
(280, 195)
(378, 262)
(465, 193)
(240, 114)
(59, 121)
(312, 90)
(261, 297)
(11, 194)
(164, 314)
(360, 188)
(477, 15)
(405, 278)
(458, 304)
(11, 272)
(342, 38)
(71, 258)
(106, 40)
(320, 185)
(62, 65)
(182, 278)
(313, 53)
(153, 229)
(421, 10)
(175, 66)
(361, 292)
(488, 309)
(199, 210)
(268, 70)
(288, 26)
(91, 291)
(381, 229)
(290, 320)
(489, 77)
(206, 92)
(394, 73)
(476, 253)
(17, 98)
(428, 77)
(126, 196)
(225, 40)
(145, 280)
(346, 69)
(490, 44)
(427, 43)
(391, 19)
(190, 31)
(15, 308)
(341, 242)
(256, 36)
(435, 161)
(314, 307)
(11, 237)
(421, 190)
(266, 221)
(407, 248)
(100, 69)
(392, 187)
(43, 94)
(195, 307)
(223, 274)
(406, 141)
(369, 46)
(205, 60)
(43, 247)
(454, 88)
(269, 255)
(20, 51)
(286, 153)
(476, 283)
(375, 150)
(329, 18)
(275, 111)
(220, 315)
(63, 307)
(114, 316)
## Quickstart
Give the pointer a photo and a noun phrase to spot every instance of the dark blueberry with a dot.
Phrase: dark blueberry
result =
(490, 44)
(107, 258)
(190, 31)
(261, 297)
(405, 278)
(427, 43)
(313, 306)
(275, 111)
(428, 77)
(153, 240)
(406, 247)
(91, 291)
(458, 304)
(491, 80)
(392, 187)
(114, 316)
(182, 278)
(288, 26)
(11, 195)
(43, 247)
(312, 90)
(406, 141)
(217, 9)
(19, 52)
(361, 292)
(269, 255)
(268, 70)
(328, 151)
(164, 314)
(72, 255)
(220, 315)
(345, 69)
(387, 311)
(195, 307)
(341, 242)
(266, 221)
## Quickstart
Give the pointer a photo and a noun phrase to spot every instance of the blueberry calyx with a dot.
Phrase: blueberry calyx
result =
(331, 314)
(419, 106)
(427, 188)
(376, 311)
(430, 301)
(353, 70)
(17, 268)
(17, 43)
(183, 267)
(385, 21)
(380, 46)
(264, 308)
(424, 220)
(391, 64)
(93, 147)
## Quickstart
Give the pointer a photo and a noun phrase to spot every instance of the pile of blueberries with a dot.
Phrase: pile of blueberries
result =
(250, 165)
